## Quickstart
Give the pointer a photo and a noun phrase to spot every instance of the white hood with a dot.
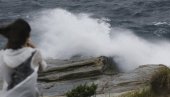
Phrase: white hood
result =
(13, 58)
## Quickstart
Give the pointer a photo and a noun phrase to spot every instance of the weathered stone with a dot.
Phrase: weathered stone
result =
(107, 84)
(78, 69)
(132, 80)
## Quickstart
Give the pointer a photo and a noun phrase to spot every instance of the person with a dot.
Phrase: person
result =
(20, 61)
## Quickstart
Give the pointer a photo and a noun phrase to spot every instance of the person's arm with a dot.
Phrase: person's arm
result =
(30, 44)
(5, 85)
(39, 61)
(2, 72)
(1, 65)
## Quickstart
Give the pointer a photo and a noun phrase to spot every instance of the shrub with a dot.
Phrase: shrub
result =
(82, 91)
(160, 82)
(158, 87)
(146, 92)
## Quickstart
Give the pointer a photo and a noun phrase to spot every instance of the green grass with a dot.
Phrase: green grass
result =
(160, 82)
(83, 91)
(146, 92)
(159, 86)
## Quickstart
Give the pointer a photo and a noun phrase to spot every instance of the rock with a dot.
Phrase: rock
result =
(78, 69)
(63, 75)
(131, 80)
(109, 65)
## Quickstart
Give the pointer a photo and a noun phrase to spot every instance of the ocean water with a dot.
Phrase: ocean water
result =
(133, 32)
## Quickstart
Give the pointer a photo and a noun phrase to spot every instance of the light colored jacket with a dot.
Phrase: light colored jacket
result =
(10, 59)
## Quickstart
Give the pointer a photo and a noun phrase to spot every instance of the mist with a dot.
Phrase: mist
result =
(62, 34)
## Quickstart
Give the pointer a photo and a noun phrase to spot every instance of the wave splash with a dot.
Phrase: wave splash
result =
(63, 34)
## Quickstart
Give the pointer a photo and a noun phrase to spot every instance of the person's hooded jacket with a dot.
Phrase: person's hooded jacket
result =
(10, 59)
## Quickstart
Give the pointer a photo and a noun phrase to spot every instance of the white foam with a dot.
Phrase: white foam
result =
(63, 34)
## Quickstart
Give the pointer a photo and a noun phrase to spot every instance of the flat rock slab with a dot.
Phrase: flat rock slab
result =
(116, 83)
(77, 69)
(132, 80)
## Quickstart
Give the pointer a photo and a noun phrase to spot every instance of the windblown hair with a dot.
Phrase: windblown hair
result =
(17, 33)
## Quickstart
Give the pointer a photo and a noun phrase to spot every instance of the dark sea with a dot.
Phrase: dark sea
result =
(85, 27)
(147, 18)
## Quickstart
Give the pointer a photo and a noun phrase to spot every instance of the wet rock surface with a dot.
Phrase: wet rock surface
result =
(78, 69)
(63, 75)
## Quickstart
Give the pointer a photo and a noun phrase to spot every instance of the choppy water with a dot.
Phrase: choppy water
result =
(137, 31)
(138, 15)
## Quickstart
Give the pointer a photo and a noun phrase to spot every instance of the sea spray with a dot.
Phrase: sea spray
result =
(62, 34)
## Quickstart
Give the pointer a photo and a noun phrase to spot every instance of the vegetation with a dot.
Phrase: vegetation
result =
(158, 87)
(82, 91)
(160, 82)
(141, 93)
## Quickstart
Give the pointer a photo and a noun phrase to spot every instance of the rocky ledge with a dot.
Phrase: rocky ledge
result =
(59, 70)
(63, 75)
